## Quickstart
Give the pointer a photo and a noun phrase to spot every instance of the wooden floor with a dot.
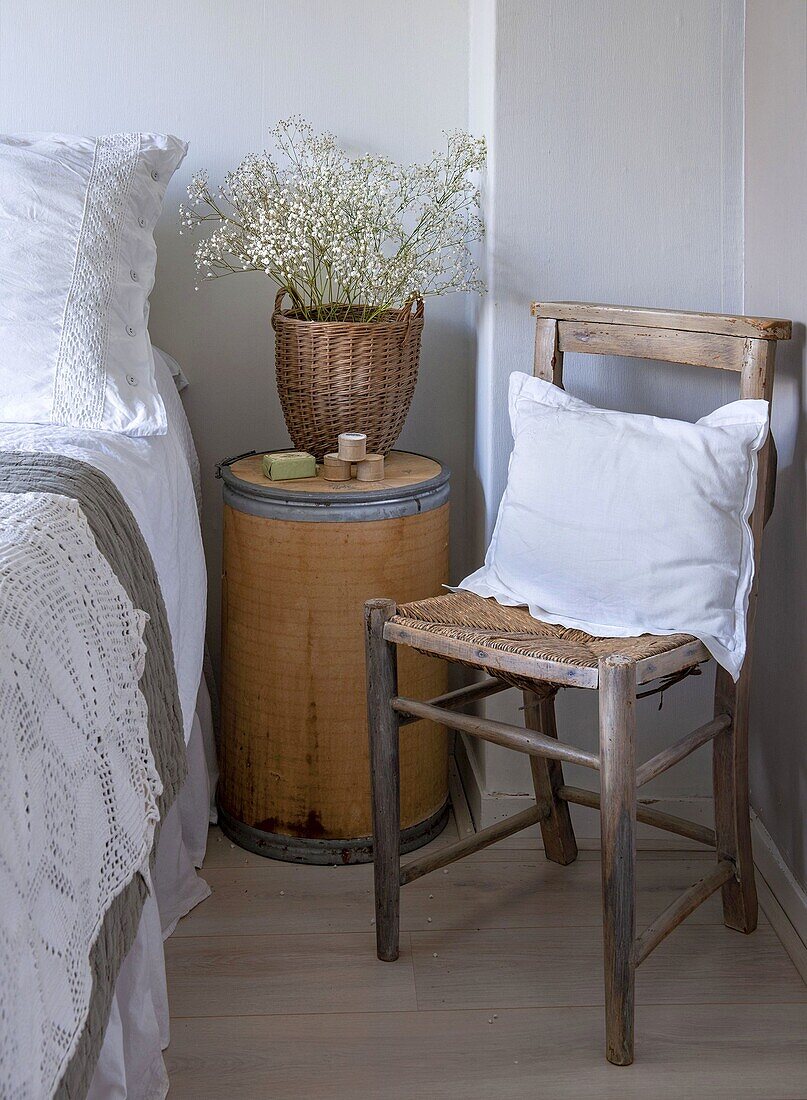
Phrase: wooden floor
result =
(276, 992)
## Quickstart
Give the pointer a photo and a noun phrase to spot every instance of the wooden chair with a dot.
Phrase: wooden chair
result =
(518, 650)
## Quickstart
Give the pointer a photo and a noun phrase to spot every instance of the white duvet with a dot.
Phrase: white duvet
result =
(78, 784)
(158, 478)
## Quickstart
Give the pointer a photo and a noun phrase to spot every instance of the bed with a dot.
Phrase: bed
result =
(157, 477)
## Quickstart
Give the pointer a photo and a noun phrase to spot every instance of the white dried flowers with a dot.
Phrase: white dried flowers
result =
(344, 236)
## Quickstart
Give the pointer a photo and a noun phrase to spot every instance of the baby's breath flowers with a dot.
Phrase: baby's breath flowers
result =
(344, 236)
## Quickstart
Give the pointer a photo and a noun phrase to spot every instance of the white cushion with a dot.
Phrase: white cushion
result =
(77, 260)
(621, 524)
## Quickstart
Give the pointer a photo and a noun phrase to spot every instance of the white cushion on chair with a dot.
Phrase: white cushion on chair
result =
(621, 524)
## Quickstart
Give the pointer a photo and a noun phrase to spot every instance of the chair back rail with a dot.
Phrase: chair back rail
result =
(723, 324)
(746, 345)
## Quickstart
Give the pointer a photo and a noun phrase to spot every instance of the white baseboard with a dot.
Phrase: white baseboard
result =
(789, 894)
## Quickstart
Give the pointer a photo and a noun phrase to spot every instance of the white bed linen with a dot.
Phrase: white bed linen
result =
(77, 216)
(75, 765)
(131, 1064)
(158, 477)
(154, 476)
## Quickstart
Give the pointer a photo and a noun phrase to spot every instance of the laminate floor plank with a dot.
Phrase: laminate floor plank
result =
(505, 968)
(539, 967)
(524, 892)
(723, 1052)
(247, 975)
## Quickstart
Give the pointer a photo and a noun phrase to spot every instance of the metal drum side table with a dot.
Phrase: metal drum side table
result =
(300, 559)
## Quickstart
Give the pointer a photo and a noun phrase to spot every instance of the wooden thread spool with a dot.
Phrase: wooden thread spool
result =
(352, 446)
(371, 468)
(335, 469)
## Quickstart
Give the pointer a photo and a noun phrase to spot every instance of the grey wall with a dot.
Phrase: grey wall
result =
(617, 177)
(383, 76)
(776, 284)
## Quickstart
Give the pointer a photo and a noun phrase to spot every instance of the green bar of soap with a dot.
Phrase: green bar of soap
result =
(289, 465)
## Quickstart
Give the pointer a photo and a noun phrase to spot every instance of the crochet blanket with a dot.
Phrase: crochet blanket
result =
(90, 760)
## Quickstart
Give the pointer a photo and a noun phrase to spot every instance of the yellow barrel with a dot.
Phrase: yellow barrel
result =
(300, 559)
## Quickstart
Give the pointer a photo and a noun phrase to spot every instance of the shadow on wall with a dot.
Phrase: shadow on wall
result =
(779, 695)
(222, 337)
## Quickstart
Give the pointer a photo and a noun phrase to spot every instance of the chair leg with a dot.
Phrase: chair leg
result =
(732, 812)
(382, 721)
(547, 778)
(617, 686)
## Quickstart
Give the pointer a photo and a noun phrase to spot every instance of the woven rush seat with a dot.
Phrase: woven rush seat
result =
(470, 619)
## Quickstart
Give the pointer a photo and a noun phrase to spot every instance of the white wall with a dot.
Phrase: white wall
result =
(383, 76)
(617, 164)
(776, 284)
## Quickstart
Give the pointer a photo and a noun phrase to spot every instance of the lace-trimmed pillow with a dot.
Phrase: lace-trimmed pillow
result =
(77, 261)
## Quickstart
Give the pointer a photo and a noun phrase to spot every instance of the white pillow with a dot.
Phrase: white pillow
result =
(77, 260)
(621, 524)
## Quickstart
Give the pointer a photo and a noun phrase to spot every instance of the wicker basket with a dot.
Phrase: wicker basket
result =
(346, 376)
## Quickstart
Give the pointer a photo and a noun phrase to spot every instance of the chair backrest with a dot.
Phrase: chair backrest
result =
(743, 344)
